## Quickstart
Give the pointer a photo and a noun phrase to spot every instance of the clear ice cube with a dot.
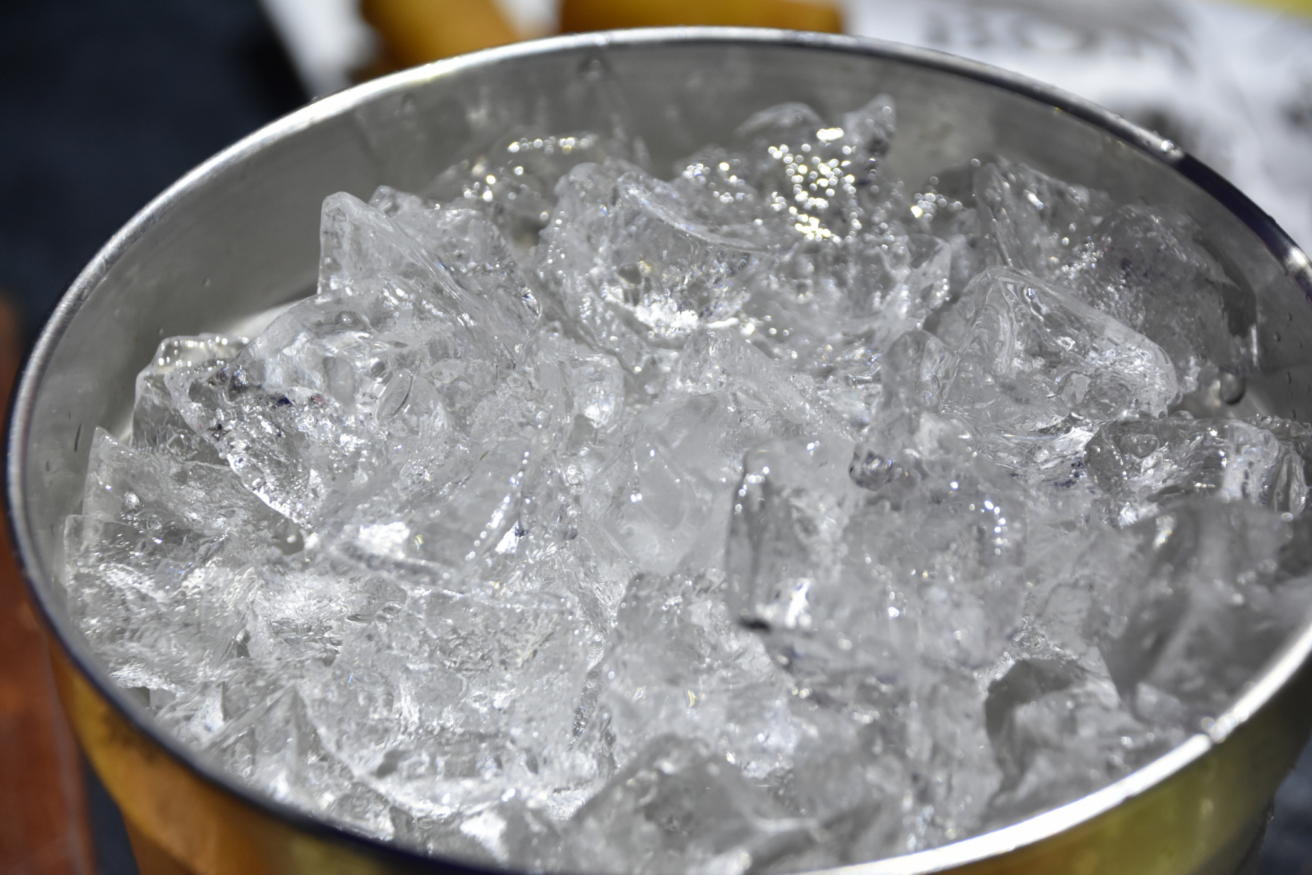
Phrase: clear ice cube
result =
(1198, 610)
(821, 180)
(665, 496)
(441, 700)
(398, 347)
(784, 548)
(1146, 267)
(1032, 221)
(678, 807)
(514, 180)
(679, 660)
(1147, 464)
(1030, 355)
(1059, 732)
(634, 268)
(156, 421)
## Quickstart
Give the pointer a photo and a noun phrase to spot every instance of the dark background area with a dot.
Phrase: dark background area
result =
(103, 105)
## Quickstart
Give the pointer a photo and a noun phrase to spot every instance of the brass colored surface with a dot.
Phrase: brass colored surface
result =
(183, 818)
(151, 858)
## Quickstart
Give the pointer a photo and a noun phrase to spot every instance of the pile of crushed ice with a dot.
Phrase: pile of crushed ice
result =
(772, 517)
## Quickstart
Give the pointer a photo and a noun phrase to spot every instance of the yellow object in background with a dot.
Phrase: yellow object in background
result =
(580, 15)
(1301, 7)
(418, 31)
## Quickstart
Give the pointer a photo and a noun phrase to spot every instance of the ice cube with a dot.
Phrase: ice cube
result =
(290, 757)
(457, 257)
(820, 180)
(718, 185)
(392, 355)
(157, 423)
(665, 496)
(513, 181)
(948, 750)
(446, 533)
(1059, 732)
(679, 662)
(1198, 611)
(784, 548)
(480, 264)
(1030, 355)
(1146, 464)
(172, 501)
(762, 397)
(933, 570)
(137, 600)
(594, 381)
(831, 314)
(847, 793)
(646, 272)
(443, 699)
(1147, 267)
(1034, 222)
(680, 807)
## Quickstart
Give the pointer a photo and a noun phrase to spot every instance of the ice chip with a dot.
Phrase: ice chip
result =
(1029, 355)
(450, 696)
(659, 498)
(1146, 267)
(914, 370)
(936, 556)
(819, 179)
(513, 181)
(671, 274)
(495, 293)
(680, 660)
(176, 502)
(377, 369)
(455, 254)
(440, 532)
(290, 755)
(593, 380)
(789, 512)
(717, 185)
(1058, 732)
(1035, 223)
(914, 282)
(157, 423)
(1146, 464)
(785, 121)
(1199, 611)
(679, 807)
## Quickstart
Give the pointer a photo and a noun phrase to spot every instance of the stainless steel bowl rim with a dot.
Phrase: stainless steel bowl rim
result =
(1291, 656)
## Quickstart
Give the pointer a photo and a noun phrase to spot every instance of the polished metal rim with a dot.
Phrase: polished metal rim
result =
(1279, 671)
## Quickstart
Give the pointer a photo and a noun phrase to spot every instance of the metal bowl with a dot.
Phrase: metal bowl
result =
(239, 234)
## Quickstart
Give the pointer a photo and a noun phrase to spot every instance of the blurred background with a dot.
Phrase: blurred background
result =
(103, 105)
